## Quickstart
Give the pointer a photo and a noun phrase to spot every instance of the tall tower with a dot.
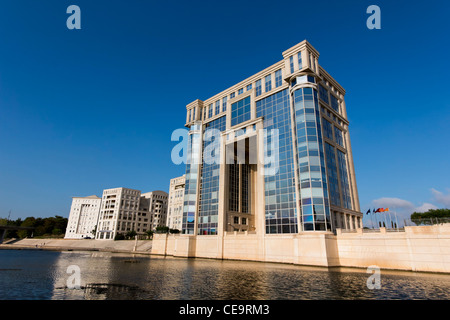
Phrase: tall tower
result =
(272, 154)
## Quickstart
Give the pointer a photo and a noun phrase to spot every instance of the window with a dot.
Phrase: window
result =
(278, 80)
(210, 110)
(323, 94)
(232, 95)
(334, 103)
(299, 60)
(291, 63)
(217, 111)
(268, 82)
(339, 136)
(240, 111)
(236, 220)
(249, 87)
(258, 88)
(224, 104)
(241, 91)
(244, 220)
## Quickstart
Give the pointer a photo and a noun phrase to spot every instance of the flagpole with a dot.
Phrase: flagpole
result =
(396, 220)
(371, 219)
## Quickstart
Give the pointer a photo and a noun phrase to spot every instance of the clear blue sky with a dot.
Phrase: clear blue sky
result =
(90, 109)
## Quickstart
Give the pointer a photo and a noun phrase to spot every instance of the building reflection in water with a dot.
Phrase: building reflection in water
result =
(113, 276)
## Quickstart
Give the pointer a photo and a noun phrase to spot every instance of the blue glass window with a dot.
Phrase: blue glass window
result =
(299, 57)
(240, 111)
(210, 110)
(241, 91)
(224, 104)
(334, 103)
(291, 63)
(258, 89)
(278, 78)
(217, 110)
(249, 87)
(339, 136)
(323, 94)
(268, 82)
(327, 129)
(232, 95)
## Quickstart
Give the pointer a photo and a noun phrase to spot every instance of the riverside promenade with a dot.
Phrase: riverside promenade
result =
(126, 246)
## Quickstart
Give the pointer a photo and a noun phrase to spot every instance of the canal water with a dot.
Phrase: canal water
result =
(51, 275)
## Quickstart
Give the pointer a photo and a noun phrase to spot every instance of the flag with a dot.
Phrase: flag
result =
(387, 209)
(368, 211)
(381, 209)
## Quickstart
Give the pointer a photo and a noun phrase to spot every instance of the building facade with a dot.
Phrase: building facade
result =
(175, 205)
(157, 204)
(123, 210)
(272, 154)
(119, 212)
(83, 217)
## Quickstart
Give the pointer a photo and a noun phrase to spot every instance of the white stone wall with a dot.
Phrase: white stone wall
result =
(424, 249)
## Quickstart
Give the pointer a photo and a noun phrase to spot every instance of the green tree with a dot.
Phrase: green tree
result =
(131, 234)
(162, 229)
(119, 236)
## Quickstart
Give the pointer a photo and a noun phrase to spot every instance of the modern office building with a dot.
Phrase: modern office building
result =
(83, 217)
(175, 206)
(272, 154)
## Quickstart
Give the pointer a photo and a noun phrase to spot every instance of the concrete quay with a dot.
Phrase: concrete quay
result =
(125, 246)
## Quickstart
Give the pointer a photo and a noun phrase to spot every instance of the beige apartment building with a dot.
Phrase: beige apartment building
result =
(124, 210)
(175, 206)
(157, 202)
(83, 217)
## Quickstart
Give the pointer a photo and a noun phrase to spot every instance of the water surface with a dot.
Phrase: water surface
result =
(42, 275)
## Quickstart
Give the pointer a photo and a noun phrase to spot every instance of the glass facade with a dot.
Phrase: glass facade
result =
(343, 175)
(304, 144)
(332, 175)
(311, 171)
(209, 186)
(240, 111)
(280, 208)
(190, 191)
